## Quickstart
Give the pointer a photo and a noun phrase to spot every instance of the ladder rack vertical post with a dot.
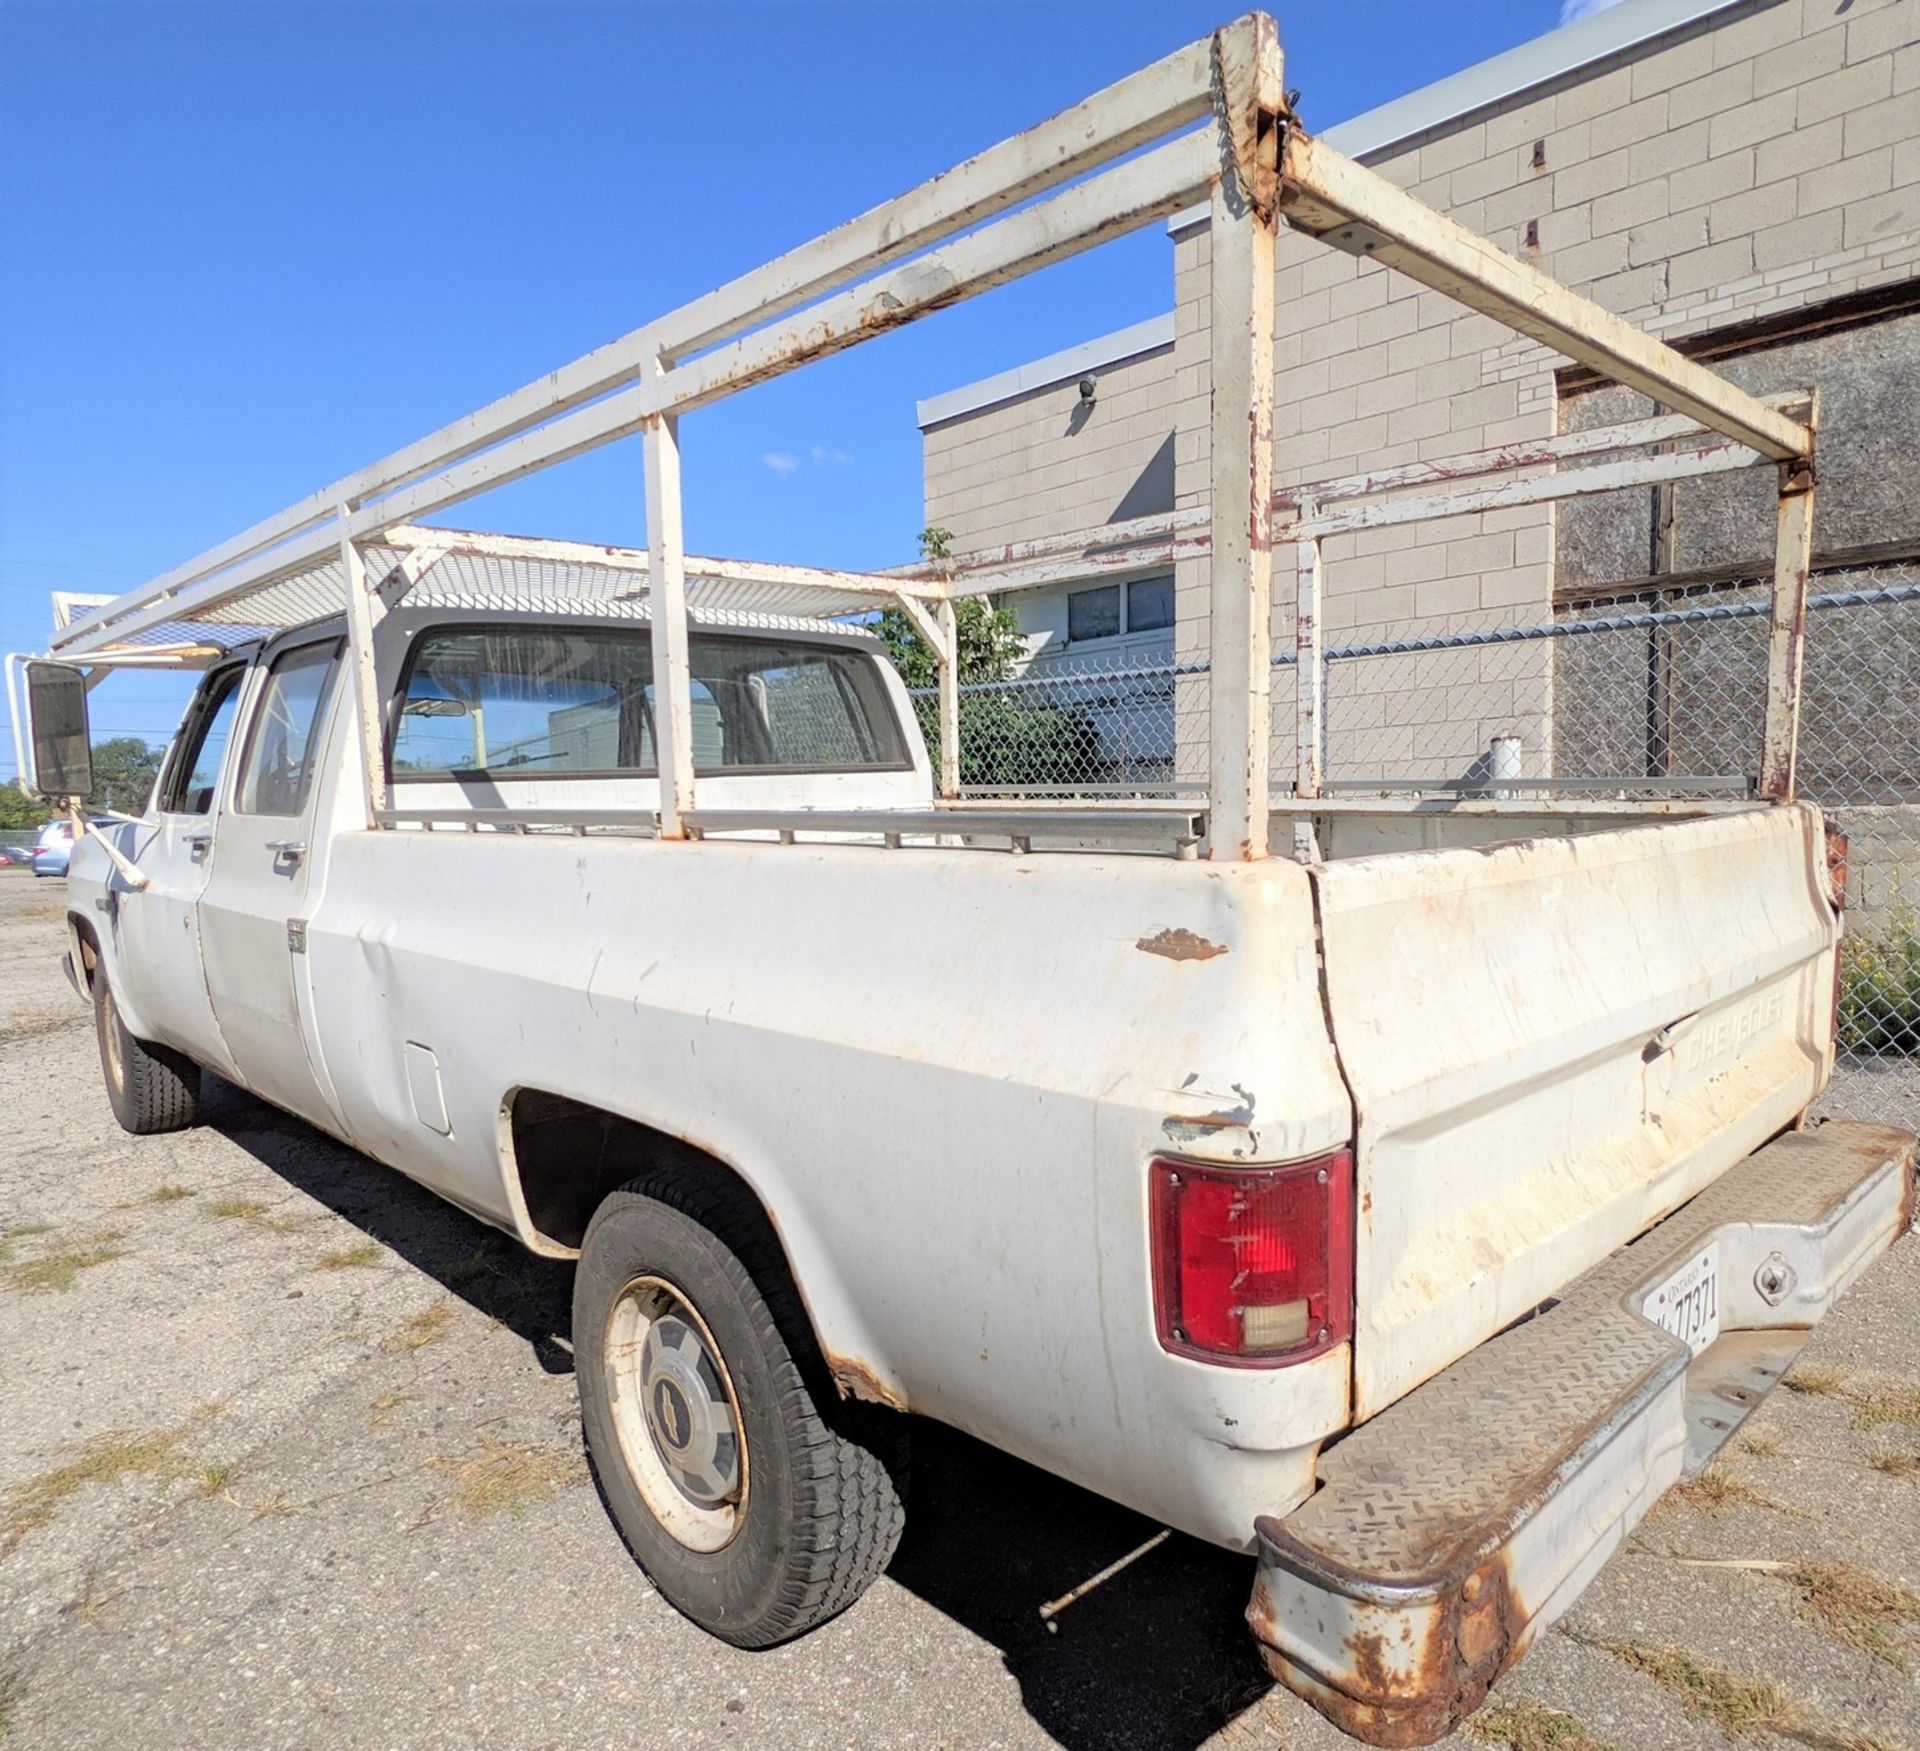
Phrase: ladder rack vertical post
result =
(949, 654)
(1248, 101)
(365, 610)
(1787, 631)
(667, 606)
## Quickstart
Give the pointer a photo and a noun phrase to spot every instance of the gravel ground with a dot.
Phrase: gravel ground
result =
(289, 1456)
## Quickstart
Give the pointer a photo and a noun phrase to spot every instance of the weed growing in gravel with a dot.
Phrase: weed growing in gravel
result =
(359, 1256)
(1857, 1608)
(483, 1261)
(12, 1231)
(1531, 1726)
(57, 1270)
(1763, 1446)
(503, 1478)
(1753, 1709)
(1877, 1403)
(1877, 1400)
(251, 1210)
(1715, 1490)
(169, 1194)
(426, 1327)
(107, 1459)
(383, 1408)
(1817, 1381)
(272, 1508)
(213, 1479)
(31, 1022)
(1900, 1465)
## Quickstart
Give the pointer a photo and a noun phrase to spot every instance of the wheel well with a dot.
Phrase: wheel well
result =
(568, 1156)
(87, 947)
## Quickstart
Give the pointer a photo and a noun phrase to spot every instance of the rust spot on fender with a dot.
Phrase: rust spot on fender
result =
(855, 1379)
(1180, 945)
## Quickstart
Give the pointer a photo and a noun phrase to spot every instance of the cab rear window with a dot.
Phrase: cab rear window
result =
(554, 701)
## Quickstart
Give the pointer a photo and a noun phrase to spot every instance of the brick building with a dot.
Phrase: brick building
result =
(1741, 179)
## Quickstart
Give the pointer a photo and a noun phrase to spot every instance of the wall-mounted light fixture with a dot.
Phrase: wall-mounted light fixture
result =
(1088, 388)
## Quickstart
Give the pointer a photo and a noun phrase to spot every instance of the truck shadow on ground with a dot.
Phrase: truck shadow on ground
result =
(1157, 1656)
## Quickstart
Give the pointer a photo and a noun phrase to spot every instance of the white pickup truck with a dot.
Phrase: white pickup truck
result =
(1412, 1218)
(1409, 1213)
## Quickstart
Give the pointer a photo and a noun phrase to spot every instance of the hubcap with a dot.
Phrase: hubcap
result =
(110, 1035)
(676, 1415)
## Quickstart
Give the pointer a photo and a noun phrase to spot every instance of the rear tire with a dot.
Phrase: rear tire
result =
(150, 1088)
(758, 1502)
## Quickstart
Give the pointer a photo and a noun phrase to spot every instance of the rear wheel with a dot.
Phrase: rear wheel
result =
(149, 1087)
(759, 1504)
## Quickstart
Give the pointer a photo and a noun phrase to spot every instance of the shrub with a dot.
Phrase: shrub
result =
(1880, 989)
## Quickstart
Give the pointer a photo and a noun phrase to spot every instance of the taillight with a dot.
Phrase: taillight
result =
(1253, 1267)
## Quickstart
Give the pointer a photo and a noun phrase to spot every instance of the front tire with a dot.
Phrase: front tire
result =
(149, 1087)
(758, 1503)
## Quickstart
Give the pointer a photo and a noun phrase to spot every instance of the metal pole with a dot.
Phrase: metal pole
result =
(1240, 583)
(667, 603)
(948, 651)
(1308, 678)
(365, 610)
(1787, 635)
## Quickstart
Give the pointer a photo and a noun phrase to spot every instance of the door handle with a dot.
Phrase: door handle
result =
(294, 849)
(197, 846)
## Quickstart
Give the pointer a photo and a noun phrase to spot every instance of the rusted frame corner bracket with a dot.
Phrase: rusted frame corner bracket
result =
(1787, 624)
(1250, 102)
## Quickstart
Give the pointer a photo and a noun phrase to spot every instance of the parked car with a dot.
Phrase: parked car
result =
(53, 849)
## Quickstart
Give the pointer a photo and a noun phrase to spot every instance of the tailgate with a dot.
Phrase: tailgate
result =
(1553, 1044)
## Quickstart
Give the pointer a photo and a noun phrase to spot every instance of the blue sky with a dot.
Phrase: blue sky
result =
(253, 244)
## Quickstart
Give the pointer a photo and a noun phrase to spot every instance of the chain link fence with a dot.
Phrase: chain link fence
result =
(1654, 693)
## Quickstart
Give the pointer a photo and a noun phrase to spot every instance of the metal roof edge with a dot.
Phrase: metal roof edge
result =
(1597, 37)
(1090, 355)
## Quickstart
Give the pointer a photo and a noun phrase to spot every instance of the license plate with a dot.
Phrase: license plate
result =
(1688, 1303)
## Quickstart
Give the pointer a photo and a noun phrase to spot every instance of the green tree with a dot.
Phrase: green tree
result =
(988, 637)
(19, 811)
(1003, 740)
(124, 768)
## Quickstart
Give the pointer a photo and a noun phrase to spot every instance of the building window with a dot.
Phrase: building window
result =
(1149, 604)
(1093, 613)
(1113, 610)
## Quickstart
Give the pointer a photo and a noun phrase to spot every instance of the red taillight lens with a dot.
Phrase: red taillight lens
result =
(1253, 1266)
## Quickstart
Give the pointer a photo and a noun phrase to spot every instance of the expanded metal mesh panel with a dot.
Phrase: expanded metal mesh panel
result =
(462, 578)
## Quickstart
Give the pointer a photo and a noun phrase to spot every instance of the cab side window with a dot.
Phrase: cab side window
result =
(195, 771)
(283, 741)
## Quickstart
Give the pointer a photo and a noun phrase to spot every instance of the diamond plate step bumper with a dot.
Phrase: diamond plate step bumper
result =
(1460, 1522)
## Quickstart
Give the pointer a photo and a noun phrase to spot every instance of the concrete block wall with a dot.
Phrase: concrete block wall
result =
(1039, 465)
(1765, 159)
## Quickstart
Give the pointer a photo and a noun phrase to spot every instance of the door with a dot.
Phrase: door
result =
(253, 907)
(156, 929)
